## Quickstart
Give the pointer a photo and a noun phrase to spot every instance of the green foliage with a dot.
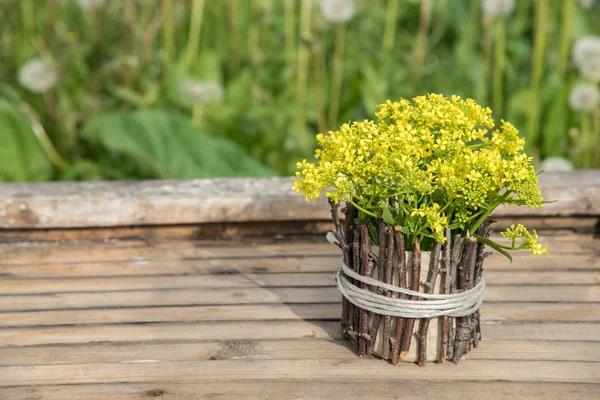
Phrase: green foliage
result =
(170, 146)
(286, 73)
(21, 157)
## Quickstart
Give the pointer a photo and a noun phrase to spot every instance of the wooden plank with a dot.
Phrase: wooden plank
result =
(101, 204)
(143, 266)
(252, 370)
(13, 285)
(531, 312)
(273, 329)
(346, 389)
(120, 250)
(260, 295)
(130, 353)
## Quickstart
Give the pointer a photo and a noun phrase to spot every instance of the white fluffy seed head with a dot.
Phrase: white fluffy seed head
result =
(203, 92)
(37, 76)
(556, 164)
(498, 8)
(584, 97)
(586, 55)
(587, 4)
(90, 5)
(337, 11)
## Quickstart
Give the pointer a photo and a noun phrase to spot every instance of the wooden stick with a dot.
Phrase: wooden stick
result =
(347, 307)
(380, 265)
(365, 271)
(387, 278)
(429, 286)
(443, 356)
(353, 320)
(455, 259)
(410, 322)
(484, 230)
(465, 282)
(402, 282)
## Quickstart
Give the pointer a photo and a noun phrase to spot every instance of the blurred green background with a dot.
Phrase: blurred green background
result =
(141, 89)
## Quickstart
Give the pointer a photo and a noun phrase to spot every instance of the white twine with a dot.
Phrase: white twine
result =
(433, 305)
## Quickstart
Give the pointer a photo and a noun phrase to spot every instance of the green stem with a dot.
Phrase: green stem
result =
(28, 15)
(42, 137)
(234, 16)
(290, 28)
(194, 33)
(565, 36)
(390, 28)
(303, 67)
(499, 62)
(168, 30)
(336, 80)
(489, 212)
(587, 140)
(362, 209)
(539, 50)
(421, 42)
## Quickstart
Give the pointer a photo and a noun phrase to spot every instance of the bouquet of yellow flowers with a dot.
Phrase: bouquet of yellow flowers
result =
(425, 175)
(426, 164)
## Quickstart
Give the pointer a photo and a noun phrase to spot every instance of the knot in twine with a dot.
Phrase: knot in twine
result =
(425, 306)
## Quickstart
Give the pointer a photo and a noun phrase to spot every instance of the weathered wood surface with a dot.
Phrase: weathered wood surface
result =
(144, 303)
(104, 204)
(177, 319)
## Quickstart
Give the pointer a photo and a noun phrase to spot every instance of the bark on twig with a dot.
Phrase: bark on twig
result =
(410, 322)
(429, 286)
(464, 282)
(387, 278)
(380, 265)
(338, 233)
(353, 312)
(443, 356)
(402, 282)
(455, 260)
(484, 231)
(347, 307)
(365, 271)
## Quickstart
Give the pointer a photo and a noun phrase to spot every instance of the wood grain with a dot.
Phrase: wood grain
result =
(250, 330)
(291, 370)
(342, 389)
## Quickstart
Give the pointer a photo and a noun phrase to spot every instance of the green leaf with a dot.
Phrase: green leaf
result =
(21, 156)
(387, 216)
(171, 146)
(494, 246)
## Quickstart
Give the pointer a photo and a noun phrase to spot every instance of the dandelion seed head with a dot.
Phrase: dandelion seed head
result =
(586, 55)
(37, 76)
(584, 97)
(91, 5)
(587, 4)
(498, 8)
(203, 92)
(337, 11)
(556, 164)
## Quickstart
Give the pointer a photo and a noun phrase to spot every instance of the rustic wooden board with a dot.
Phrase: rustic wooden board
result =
(302, 369)
(259, 295)
(130, 353)
(501, 312)
(311, 389)
(13, 285)
(102, 204)
(120, 250)
(274, 329)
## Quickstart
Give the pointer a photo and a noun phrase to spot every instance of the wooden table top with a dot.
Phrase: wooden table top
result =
(202, 309)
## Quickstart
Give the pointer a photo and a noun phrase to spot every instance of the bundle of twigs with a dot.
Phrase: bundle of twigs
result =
(458, 261)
